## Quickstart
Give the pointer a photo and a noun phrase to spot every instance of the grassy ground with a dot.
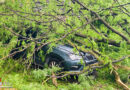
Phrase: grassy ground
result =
(22, 82)
(32, 80)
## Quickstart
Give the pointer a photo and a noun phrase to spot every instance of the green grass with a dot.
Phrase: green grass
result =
(22, 81)
(32, 79)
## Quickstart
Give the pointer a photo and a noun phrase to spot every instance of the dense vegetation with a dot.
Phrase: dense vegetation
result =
(101, 28)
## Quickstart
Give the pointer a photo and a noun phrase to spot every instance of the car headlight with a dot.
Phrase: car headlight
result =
(75, 57)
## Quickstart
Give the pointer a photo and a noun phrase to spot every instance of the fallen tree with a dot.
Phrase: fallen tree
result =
(94, 27)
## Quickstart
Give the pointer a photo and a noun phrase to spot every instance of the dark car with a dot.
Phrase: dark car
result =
(65, 57)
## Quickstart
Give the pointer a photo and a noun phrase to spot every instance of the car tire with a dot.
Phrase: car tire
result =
(52, 61)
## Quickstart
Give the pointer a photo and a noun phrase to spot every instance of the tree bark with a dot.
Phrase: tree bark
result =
(119, 82)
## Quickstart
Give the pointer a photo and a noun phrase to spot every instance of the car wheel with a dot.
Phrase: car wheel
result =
(51, 61)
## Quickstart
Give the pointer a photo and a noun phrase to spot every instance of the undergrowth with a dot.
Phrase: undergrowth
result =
(33, 79)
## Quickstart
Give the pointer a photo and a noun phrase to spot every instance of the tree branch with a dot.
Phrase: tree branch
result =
(109, 41)
(118, 80)
(104, 22)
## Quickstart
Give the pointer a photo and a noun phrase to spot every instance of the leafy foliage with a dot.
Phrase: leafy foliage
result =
(100, 28)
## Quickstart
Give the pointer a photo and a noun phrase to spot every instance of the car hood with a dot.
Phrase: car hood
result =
(69, 50)
(65, 48)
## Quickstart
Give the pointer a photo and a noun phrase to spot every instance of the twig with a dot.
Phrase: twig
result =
(114, 7)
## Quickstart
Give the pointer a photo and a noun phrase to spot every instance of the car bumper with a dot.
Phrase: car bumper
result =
(76, 65)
